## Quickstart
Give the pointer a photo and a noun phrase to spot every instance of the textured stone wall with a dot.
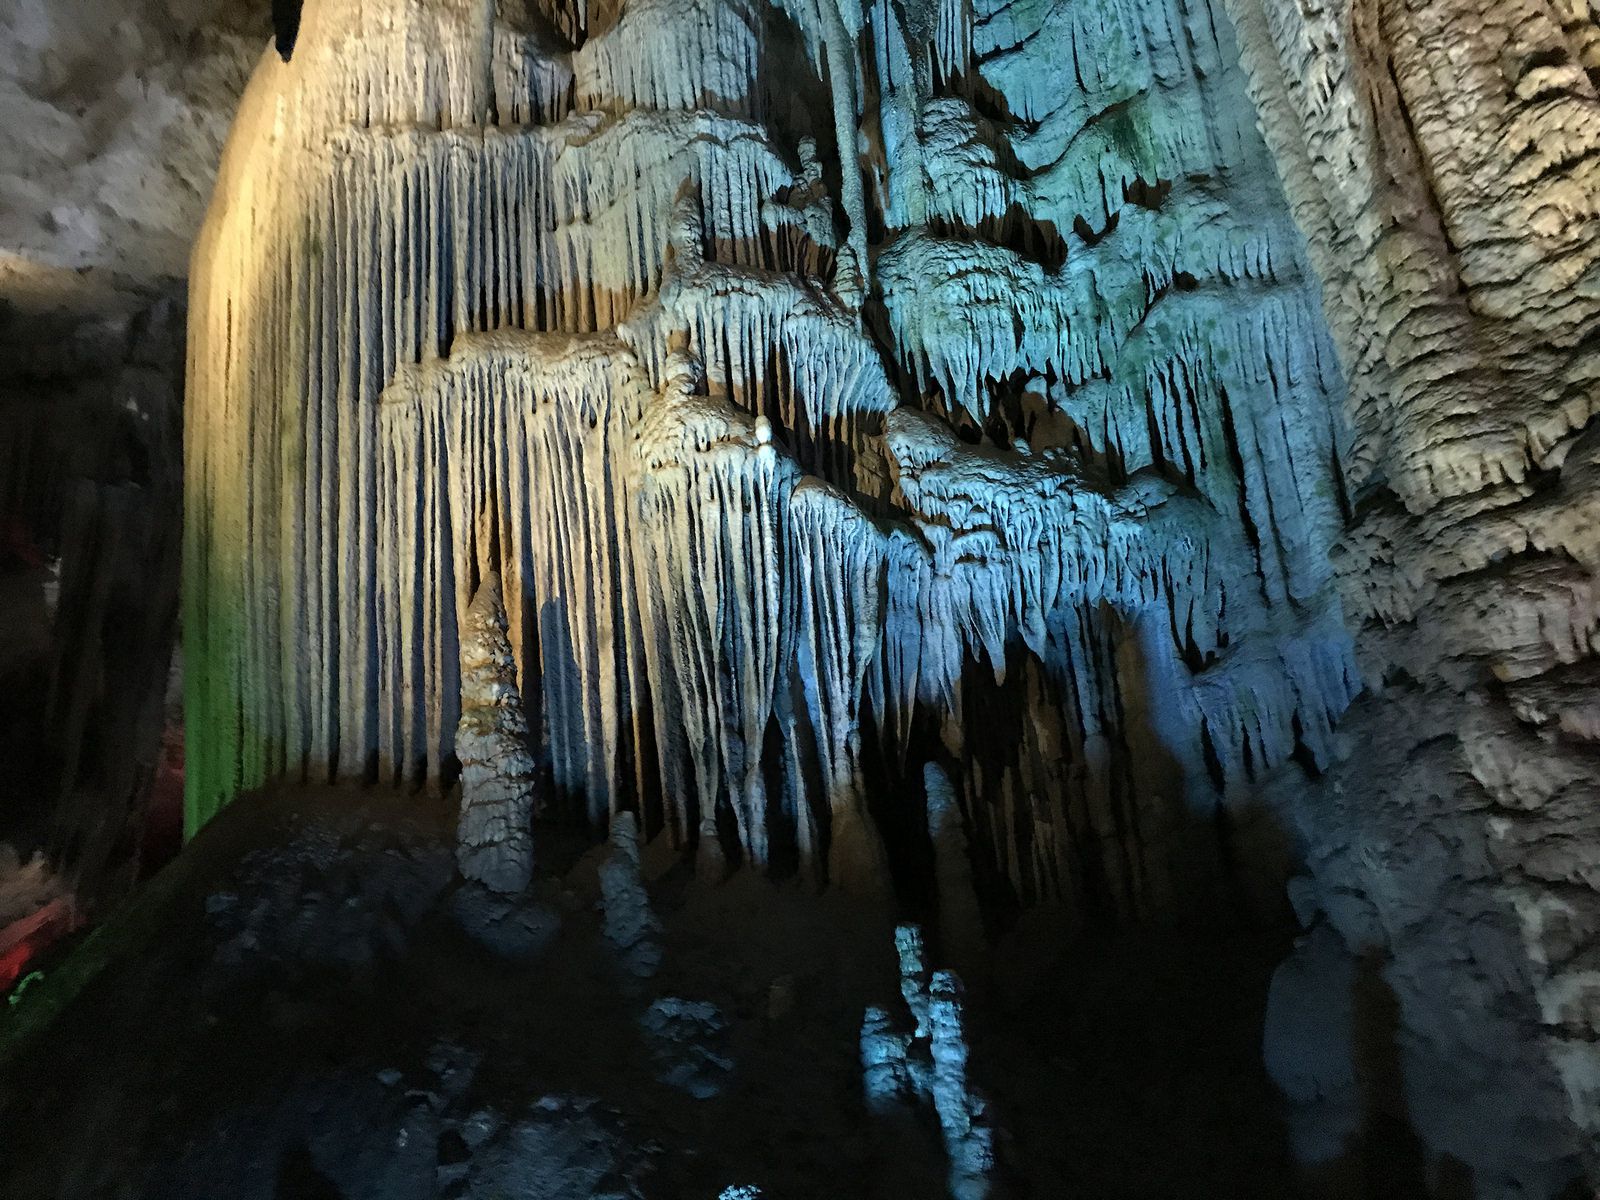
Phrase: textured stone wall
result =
(1441, 158)
(90, 531)
(112, 118)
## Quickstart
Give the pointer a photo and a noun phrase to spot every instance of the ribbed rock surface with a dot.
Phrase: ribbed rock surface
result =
(1010, 447)
(1441, 158)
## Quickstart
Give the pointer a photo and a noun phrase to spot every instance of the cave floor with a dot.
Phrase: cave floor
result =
(308, 1005)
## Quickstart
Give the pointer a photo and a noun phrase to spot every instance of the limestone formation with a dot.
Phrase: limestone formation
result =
(630, 923)
(885, 1068)
(928, 1065)
(961, 932)
(963, 1115)
(913, 975)
(1036, 411)
(494, 841)
(961, 391)
(1440, 158)
(738, 407)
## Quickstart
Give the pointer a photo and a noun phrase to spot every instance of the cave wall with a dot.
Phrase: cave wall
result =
(112, 117)
(90, 433)
(1441, 160)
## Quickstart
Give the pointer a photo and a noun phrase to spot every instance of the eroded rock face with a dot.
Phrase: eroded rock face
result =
(112, 118)
(1440, 159)
(1019, 446)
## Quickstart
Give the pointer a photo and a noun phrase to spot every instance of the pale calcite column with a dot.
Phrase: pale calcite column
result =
(1441, 158)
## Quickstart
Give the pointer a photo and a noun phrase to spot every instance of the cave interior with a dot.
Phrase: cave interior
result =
(769, 599)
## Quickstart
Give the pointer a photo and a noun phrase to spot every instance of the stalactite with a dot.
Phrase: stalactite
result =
(668, 54)
(516, 439)
(714, 486)
(840, 569)
(471, 296)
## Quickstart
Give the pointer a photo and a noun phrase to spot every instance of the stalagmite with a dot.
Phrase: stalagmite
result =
(913, 976)
(494, 840)
(928, 1065)
(630, 923)
(886, 1074)
(968, 1139)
